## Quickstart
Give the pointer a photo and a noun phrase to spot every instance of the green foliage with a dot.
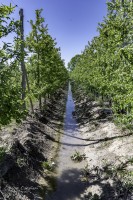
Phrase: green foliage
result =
(6, 24)
(48, 165)
(122, 171)
(78, 157)
(46, 69)
(105, 66)
(10, 75)
(72, 64)
(46, 72)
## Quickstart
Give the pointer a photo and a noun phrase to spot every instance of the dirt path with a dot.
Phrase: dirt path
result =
(70, 184)
(106, 174)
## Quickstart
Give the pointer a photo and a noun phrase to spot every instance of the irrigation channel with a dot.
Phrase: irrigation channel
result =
(70, 184)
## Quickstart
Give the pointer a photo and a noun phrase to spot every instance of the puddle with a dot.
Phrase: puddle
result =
(69, 173)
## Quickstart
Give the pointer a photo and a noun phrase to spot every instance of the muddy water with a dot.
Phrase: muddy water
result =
(70, 185)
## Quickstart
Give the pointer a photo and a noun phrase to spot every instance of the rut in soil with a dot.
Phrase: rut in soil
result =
(70, 185)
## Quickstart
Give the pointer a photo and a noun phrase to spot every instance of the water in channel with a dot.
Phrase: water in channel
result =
(70, 185)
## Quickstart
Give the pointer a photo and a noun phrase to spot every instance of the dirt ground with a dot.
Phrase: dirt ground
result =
(109, 152)
(30, 149)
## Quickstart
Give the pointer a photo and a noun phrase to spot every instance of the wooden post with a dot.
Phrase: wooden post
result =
(23, 68)
(23, 83)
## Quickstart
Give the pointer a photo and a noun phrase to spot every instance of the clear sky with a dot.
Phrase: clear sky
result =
(72, 22)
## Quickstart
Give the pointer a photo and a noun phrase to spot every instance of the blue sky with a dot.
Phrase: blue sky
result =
(72, 22)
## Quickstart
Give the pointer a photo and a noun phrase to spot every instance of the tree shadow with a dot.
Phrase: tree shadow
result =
(17, 185)
(35, 129)
(20, 171)
(69, 185)
(87, 113)
(19, 181)
(112, 187)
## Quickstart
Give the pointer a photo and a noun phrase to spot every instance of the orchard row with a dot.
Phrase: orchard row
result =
(105, 68)
(30, 69)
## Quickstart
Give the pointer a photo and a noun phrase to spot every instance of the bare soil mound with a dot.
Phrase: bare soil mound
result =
(27, 148)
(108, 149)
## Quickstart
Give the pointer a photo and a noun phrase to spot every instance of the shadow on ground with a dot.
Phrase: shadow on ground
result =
(76, 184)
(109, 183)
(30, 147)
(69, 185)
